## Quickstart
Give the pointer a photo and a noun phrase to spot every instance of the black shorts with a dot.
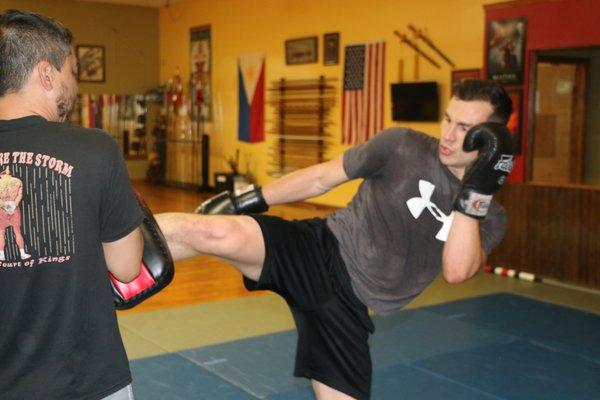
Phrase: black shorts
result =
(304, 266)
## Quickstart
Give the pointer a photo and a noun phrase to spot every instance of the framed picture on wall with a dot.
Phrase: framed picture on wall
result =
(91, 63)
(515, 120)
(459, 75)
(331, 48)
(301, 51)
(505, 50)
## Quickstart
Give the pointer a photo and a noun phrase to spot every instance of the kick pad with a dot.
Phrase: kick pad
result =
(138, 285)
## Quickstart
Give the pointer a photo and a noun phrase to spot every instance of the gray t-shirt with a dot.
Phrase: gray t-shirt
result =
(392, 233)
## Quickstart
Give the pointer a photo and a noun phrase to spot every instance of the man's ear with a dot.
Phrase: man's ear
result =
(45, 73)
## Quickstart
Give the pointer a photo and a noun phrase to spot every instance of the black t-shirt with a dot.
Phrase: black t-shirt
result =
(59, 337)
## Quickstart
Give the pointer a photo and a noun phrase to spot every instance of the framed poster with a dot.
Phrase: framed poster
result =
(91, 63)
(331, 48)
(301, 51)
(459, 75)
(200, 73)
(515, 120)
(505, 50)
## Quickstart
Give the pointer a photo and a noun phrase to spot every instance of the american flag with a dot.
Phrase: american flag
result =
(362, 103)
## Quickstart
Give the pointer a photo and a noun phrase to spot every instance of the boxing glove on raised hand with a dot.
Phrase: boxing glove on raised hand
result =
(157, 268)
(226, 203)
(489, 170)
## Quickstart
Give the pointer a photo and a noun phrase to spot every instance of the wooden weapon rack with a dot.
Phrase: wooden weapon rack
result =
(301, 122)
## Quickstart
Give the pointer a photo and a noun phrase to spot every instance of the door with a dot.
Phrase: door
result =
(558, 153)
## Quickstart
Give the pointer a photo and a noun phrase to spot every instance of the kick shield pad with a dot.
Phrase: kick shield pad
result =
(157, 268)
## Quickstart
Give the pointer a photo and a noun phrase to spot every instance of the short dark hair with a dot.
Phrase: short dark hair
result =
(490, 91)
(25, 40)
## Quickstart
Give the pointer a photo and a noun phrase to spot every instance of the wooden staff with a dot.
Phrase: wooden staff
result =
(293, 83)
(313, 101)
(302, 88)
(284, 105)
(428, 42)
(288, 126)
(296, 150)
(298, 118)
(291, 164)
(297, 113)
(411, 44)
(293, 133)
(286, 148)
(302, 138)
(298, 159)
(317, 142)
(315, 135)
(307, 158)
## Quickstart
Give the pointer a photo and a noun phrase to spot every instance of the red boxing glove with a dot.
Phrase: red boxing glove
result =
(156, 271)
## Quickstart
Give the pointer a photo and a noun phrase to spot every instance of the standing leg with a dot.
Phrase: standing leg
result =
(2, 243)
(20, 241)
(324, 392)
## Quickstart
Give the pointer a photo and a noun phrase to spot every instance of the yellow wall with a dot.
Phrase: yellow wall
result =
(241, 26)
(129, 34)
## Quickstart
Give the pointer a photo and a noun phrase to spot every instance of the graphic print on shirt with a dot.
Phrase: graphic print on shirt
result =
(417, 205)
(36, 214)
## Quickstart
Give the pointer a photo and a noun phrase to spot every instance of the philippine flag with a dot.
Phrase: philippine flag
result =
(251, 75)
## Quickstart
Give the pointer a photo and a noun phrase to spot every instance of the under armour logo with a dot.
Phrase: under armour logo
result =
(505, 163)
(416, 205)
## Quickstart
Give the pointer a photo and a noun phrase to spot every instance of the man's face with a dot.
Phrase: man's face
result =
(66, 89)
(459, 117)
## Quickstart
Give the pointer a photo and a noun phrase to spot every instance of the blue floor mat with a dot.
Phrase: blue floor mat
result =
(172, 377)
(500, 346)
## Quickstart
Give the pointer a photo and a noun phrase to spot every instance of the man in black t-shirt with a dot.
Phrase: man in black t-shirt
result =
(59, 338)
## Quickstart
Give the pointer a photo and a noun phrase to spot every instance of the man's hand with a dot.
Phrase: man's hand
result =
(9, 206)
(489, 171)
(225, 203)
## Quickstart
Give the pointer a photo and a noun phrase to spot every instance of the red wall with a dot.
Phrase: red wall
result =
(552, 24)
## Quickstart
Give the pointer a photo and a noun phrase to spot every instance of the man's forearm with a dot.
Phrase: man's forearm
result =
(462, 254)
(306, 183)
(294, 186)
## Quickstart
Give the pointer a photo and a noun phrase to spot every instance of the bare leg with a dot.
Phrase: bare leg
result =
(2, 244)
(19, 237)
(324, 392)
(20, 242)
(236, 239)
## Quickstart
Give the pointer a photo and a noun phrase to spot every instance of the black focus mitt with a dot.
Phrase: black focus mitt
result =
(157, 268)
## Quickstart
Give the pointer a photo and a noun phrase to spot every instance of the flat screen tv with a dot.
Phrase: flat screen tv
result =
(417, 101)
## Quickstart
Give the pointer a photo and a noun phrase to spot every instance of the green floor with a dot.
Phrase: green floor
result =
(160, 332)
